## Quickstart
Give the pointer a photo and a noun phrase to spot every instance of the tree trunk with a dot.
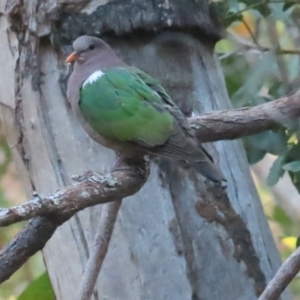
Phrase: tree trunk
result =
(179, 237)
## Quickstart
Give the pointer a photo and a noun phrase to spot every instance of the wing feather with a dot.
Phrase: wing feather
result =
(128, 105)
(120, 106)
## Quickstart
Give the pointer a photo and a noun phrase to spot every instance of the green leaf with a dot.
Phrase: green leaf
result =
(228, 11)
(292, 166)
(293, 153)
(254, 155)
(280, 216)
(236, 69)
(289, 4)
(231, 18)
(295, 176)
(276, 171)
(254, 78)
(268, 141)
(277, 89)
(272, 142)
(264, 9)
(39, 288)
(233, 5)
(258, 5)
(298, 242)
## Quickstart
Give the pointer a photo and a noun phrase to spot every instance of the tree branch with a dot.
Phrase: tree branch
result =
(283, 277)
(93, 188)
(97, 189)
(27, 242)
(108, 218)
(237, 123)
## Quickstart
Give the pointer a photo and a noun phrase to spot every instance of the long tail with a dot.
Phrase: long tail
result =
(209, 170)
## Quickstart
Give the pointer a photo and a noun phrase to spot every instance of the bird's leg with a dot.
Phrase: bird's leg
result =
(122, 162)
(125, 163)
(119, 162)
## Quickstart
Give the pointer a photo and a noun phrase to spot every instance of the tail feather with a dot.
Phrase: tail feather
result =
(209, 170)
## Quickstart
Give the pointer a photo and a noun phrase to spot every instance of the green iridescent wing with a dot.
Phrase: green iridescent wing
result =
(128, 105)
(121, 106)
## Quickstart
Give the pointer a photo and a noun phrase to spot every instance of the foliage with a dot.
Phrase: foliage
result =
(258, 70)
(11, 193)
(40, 288)
(260, 60)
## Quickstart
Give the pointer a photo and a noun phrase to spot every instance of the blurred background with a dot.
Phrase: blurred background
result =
(261, 62)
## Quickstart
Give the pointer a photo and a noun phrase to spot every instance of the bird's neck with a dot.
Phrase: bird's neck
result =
(82, 71)
(97, 62)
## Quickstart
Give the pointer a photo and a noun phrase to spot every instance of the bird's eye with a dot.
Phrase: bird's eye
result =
(92, 47)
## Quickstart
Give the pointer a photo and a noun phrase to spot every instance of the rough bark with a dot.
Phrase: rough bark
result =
(91, 190)
(28, 241)
(233, 124)
(178, 238)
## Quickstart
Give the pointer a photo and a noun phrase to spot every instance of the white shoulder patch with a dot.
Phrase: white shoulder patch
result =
(92, 78)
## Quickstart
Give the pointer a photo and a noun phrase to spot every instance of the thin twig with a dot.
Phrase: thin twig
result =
(108, 217)
(286, 51)
(251, 34)
(283, 277)
(246, 45)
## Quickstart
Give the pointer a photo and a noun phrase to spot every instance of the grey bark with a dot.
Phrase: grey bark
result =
(179, 237)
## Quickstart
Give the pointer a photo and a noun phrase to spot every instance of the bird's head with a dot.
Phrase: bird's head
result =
(86, 49)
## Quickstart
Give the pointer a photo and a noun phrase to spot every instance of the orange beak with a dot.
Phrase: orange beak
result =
(72, 57)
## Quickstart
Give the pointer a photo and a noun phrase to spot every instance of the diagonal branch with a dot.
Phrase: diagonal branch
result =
(108, 218)
(28, 241)
(93, 188)
(288, 270)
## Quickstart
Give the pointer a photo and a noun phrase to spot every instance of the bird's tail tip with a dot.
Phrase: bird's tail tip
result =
(209, 170)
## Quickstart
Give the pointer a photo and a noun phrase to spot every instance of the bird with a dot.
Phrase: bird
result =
(124, 108)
